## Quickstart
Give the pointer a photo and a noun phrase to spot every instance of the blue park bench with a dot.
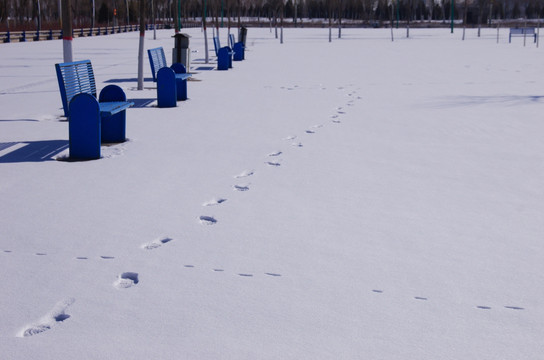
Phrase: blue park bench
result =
(238, 48)
(92, 121)
(527, 31)
(224, 55)
(171, 81)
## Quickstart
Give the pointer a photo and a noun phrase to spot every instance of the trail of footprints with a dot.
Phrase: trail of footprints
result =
(274, 158)
(339, 111)
(481, 307)
(130, 279)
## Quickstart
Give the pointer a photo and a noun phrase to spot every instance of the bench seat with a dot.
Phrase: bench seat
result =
(113, 107)
(183, 76)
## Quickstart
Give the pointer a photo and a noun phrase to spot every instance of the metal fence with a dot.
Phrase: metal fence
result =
(34, 35)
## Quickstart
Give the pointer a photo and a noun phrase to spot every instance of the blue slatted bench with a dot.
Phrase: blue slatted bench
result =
(92, 120)
(528, 31)
(157, 60)
(238, 48)
(224, 55)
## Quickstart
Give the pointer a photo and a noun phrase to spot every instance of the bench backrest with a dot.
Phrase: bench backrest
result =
(75, 78)
(216, 45)
(157, 59)
(231, 40)
(521, 31)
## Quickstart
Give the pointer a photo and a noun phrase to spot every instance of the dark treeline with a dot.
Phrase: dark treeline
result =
(32, 14)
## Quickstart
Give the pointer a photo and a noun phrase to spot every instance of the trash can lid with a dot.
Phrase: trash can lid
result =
(182, 35)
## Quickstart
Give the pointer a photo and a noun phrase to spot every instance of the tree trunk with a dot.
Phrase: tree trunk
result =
(141, 46)
(67, 30)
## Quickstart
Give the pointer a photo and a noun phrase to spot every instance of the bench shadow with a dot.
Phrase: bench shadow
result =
(204, 68)
(141, 103)
(12, 120)
(507, 100)
(126, 80)
(32, 151)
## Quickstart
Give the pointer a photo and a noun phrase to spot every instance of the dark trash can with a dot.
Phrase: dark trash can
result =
(242, 35)
(238, 51)
(181, 52)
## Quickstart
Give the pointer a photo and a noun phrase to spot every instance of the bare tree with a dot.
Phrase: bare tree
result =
(141, 46)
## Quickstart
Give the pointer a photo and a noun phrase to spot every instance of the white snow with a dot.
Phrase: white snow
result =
(359, 199)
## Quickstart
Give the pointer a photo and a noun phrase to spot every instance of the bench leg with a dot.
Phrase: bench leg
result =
(181, 85)
(166, 88)
(84, 127)
(113, 127)
(223, 59)
(238, 51)
(181, 90)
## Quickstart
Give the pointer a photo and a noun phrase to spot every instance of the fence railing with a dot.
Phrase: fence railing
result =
(33, 35)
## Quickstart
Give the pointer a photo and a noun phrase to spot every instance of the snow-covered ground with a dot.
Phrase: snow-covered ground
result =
(359, 199)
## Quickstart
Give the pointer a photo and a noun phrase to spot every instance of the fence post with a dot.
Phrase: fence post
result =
(23, 36)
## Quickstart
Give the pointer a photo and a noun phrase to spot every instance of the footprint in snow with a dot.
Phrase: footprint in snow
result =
(7, 251)
(310, 132)
(126, 280)
(55, 316)
(244, 174)
(241, 187)
(156, 243)
(275, 153)
(514, 308)
(291, 137)
(107, 257)
(214, 202)
(273, 163)
(82, 258)
(299, 145)
(420, 298)
(207, 220)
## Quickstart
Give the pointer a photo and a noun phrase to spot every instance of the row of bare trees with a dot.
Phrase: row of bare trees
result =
(87, 13)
